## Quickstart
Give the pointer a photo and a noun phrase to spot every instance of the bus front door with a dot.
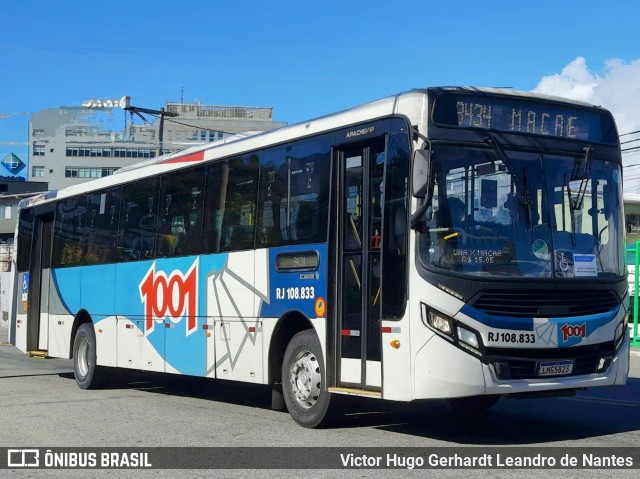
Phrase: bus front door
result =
(38, 285)
(358, 295)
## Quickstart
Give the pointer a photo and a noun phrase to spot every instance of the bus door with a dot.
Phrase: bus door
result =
(38, 283)
(359, 288)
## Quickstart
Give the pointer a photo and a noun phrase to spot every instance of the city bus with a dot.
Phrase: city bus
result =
(452, 243)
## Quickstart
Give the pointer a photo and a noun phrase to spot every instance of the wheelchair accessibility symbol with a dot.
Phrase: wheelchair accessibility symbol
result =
(564, 263)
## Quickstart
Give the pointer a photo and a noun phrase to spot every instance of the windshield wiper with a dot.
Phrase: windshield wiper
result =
(572, 212)
(521, 186)
(575, 203)
(584, 181)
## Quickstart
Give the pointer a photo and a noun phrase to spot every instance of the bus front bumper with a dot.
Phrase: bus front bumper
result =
(445, 371)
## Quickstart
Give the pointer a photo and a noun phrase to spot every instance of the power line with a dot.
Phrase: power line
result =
(193, 126)
(199, 127)
(630, 133)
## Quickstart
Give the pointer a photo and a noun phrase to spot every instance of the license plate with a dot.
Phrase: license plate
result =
(555, 368)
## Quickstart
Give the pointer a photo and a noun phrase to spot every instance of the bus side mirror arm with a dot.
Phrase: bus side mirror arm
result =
(418, 221)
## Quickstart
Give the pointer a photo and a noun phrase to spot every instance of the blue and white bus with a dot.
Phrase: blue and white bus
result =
(456, 243)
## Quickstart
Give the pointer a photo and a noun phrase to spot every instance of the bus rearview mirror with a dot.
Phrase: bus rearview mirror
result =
(421, 173)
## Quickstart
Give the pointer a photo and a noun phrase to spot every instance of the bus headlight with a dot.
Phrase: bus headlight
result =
(437, 321)
(621, 331)
(468, 339)
(441, 323)
(462, 336)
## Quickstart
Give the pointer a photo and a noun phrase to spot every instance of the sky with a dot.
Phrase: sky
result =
(307, 59)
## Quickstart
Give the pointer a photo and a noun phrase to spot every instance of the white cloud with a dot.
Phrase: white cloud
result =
(617, 89)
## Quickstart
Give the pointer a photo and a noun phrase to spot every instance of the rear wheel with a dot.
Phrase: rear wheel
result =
(88, 375)
(304, 383)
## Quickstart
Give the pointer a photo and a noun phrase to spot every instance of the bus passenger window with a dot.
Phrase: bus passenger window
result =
(101, 233)
(294, 193)
(181, 202)
(235, 204)
(68, 232)
(139, 220)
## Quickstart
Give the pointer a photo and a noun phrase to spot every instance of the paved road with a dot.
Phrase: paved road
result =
(42, 406)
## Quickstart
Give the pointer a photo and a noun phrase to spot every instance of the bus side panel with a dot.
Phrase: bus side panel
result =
(396, 374)
(61, 304)
(105, 328)
(98, 299)
(398, 365)
(232, 298)
(293, 288)
(73, 289)
(160, 315)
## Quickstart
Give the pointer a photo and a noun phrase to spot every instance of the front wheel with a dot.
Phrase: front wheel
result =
(304, 383)
(88, 375)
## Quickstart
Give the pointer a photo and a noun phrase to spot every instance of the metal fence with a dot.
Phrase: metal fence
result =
(633, 258)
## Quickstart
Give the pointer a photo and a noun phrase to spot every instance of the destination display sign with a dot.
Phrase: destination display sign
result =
(517, 115)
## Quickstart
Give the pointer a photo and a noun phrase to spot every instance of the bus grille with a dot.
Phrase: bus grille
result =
(524, 363)
(545, 303)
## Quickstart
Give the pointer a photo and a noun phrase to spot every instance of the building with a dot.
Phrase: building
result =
(632, 217)
(11, 192)
(70, 145)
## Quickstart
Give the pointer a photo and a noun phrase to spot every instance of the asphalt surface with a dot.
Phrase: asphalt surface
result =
(41, 405)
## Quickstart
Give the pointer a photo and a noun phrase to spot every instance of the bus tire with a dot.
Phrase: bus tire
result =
(304, 383)
(473, 404)
(88, 375)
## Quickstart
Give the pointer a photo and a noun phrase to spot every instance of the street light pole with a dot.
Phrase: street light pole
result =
(126, 101)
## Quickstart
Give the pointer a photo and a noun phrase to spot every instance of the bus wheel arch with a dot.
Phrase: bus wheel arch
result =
(87, 373)
(81, 318)
(286, 328)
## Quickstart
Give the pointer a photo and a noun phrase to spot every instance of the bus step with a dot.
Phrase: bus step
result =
(38, 354)
(356, 392)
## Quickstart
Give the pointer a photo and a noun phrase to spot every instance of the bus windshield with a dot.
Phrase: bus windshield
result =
(523, 214)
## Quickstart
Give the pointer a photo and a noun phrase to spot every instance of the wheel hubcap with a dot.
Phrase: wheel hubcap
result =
(305, 379)
(83, 357)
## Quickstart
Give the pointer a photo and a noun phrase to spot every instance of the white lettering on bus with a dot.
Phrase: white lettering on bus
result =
(362, 131)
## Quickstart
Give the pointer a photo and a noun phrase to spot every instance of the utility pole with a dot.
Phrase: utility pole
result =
(126, 102)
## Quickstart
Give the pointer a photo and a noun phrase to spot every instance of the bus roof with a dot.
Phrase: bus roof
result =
(405, 102)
